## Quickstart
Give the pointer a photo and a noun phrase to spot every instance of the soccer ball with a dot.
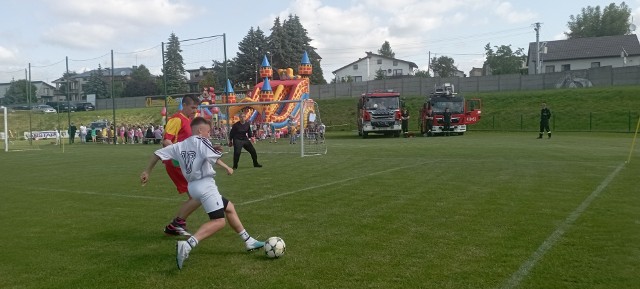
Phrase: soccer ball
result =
(274, 247)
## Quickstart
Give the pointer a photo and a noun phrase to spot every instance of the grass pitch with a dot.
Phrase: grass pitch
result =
(473, 211)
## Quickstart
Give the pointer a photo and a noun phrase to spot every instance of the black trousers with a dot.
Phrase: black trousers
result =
(544, 125)
(238, 145)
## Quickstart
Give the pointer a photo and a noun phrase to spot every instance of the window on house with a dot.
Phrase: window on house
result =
(355, 67)
(595, 64)
(357, 79)
(565, 67)
(397, 72)
(379, 61)
(550, 68)
(395, 63)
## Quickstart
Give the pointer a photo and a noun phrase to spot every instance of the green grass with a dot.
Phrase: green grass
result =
(456, 212)
(609, 109)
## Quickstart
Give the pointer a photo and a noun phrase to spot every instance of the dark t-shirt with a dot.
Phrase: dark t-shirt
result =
(240, 131)
(447, 116)
(545, 115)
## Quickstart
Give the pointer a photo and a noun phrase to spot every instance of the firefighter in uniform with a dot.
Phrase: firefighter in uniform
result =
(545, 115)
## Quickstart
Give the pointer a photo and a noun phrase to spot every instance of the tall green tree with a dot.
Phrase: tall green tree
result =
(380, 74)
(297, 43)
(174, 67)
(443, 66)
(594, 22)
(251, 50)
(96, 83)
(504, 60)
(276, 45)
(140, 83)
(422, 73)
(17, 92)
(385, 50)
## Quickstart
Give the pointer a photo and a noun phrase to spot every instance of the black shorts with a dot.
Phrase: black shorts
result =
(219, 213)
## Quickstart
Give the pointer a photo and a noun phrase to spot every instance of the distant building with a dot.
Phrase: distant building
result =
(365, 69)
(584, 53)
(457, 73)
(44, 91)
(475, 71)
(77, 82)
(195, 76)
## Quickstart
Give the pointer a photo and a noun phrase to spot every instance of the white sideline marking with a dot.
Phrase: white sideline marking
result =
(526, 267)
(243, 203)
(103, 194)
(327, 184)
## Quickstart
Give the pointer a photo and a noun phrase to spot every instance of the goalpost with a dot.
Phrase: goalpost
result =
(5, 134)
(11, 139)
(310, 142)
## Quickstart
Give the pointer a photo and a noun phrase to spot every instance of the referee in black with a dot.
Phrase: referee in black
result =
(545, 115)
(239, 138)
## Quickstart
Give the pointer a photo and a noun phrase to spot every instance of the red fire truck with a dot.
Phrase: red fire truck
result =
(463, 112)
(379, 112)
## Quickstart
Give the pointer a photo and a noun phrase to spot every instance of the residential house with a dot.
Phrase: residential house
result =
(584, 53)
(365, 69)
(77, 83)
(475, 71)
(195, 76)
(44, 91)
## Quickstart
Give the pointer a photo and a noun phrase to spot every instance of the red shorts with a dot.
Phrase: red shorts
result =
(176, 176)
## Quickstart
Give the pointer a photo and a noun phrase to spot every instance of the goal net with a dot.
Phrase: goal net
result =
(10, 136)
(300, 133)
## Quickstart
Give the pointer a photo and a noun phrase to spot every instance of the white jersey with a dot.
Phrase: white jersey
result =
(196, 156)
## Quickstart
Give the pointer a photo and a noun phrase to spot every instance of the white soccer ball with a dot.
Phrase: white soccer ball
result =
(274, 247)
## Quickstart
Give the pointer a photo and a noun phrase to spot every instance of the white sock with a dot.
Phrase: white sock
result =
(245, 236)
(193, 242)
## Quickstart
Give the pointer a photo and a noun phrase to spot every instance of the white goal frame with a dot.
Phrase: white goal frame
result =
(6, 129)
(301, 114)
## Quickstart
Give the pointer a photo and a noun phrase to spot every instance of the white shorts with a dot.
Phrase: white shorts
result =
(206, 192)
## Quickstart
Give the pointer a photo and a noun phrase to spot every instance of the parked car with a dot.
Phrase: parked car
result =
(62, 106)
(43, 108)
(99, 125)
(85, 106)
(21, 108)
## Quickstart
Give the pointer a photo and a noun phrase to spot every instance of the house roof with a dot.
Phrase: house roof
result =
(588, 47)
(369, 54)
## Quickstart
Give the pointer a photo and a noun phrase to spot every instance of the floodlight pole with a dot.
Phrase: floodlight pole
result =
(113, 106)
(28, 79)
(68, 100)
(164, 84)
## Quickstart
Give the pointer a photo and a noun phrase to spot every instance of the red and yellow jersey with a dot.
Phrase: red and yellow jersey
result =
(178, 128)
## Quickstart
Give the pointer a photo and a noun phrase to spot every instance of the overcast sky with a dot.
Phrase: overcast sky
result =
(44, 32)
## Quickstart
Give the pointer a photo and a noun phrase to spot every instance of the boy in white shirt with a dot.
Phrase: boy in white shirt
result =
(196, 155)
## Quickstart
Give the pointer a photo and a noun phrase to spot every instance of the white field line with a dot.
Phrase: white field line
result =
(327, 184)
(243, 203)
(106, 194)
(526, 267)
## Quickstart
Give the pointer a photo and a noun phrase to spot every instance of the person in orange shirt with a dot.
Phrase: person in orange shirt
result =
(177, 129)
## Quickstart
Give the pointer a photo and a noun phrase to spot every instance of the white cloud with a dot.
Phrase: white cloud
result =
(506, 11)
(80, 35)
(92, 24)
(6, 55)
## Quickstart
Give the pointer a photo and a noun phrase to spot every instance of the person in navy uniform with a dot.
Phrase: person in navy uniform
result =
(447, 121)
(239, 138)
(545, 115)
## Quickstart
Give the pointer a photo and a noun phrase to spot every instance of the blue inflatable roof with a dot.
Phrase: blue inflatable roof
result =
(305, 58)
(265, 62)
(266, 86)
(228, 89)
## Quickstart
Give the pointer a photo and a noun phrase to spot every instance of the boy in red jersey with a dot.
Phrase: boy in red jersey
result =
(177, 129)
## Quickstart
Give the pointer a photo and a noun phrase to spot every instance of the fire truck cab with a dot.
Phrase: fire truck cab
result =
(463, 112)
(379, 112)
